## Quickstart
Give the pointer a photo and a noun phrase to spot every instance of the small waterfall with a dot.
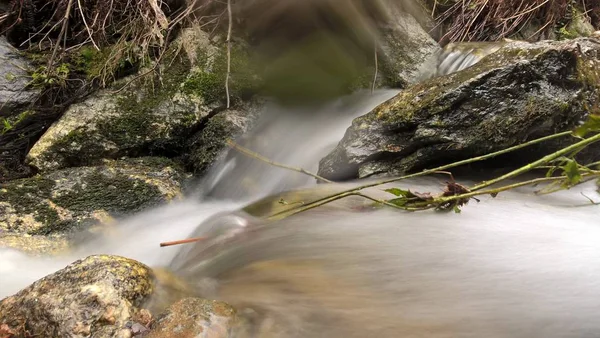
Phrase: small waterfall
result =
(297, 137)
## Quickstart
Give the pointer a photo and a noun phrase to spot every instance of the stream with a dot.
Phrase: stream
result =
(504, 265)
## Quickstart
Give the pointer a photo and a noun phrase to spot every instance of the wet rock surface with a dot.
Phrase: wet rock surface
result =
(16, 116)
(14, 80)
(521, 92)
(73, 198)
(194, 317)
(99, 296)
(207, 146)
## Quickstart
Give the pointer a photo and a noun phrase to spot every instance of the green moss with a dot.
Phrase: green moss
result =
(208, 85)
(563, 33)
(210, 143)
(25, 196)
(90, 61)
(208, 82)
(43, 77)
(118, 194)
(76, 148)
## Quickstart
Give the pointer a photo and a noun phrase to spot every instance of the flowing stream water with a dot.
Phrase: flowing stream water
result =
(518, 265)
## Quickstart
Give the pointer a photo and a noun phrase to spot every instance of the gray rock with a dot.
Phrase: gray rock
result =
(14, 78)
(68, 199)
(521, 92)
(408, 52)
(93, 297)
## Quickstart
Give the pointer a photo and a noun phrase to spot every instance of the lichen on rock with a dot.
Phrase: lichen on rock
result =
(69, 199)
(93, 297)
(194, 317)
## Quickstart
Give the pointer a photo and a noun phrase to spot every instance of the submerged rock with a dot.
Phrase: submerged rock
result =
(195, 317)
(521, 92)
(94, 297)
(71, 198)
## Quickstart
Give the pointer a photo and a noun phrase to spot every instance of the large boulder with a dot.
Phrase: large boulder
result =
(72, 198)
(521, 92)
(151, 115)
(99, 296)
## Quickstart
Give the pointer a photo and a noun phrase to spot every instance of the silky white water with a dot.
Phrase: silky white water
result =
(518, 265)
(301, 141)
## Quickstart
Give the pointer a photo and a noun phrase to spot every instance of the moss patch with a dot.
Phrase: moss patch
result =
(26, 197)
(116, 194)
(208, 80)
(210, 142)
(68, 199)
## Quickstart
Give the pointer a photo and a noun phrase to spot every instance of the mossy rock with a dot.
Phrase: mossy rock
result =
(207, 145)
(93, 297)
(73, 198)
(152, 115)
(521, 92)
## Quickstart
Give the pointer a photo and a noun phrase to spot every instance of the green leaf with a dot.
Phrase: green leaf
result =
(457, 209)
(399, 192)
(571, 170)
(590, 126)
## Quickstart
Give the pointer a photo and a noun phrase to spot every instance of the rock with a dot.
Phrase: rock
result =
(35, 245)
(206, 146)
(72, 198)
(195, 317)
(408, 52)
(152, 116)
(521, 92)
(93, 297)
(16, 100)
(14, 79)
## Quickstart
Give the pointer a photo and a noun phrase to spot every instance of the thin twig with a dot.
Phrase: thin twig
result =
(183, 241)
(62, 33)
(229, 28)
(376, 67)
(86, 25)
(544, 160)
(259, 157)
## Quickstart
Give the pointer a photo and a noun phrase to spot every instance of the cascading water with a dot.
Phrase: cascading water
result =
(517, 265)
(298, 138)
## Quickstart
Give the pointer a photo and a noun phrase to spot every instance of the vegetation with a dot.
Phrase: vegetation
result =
(483, 20)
